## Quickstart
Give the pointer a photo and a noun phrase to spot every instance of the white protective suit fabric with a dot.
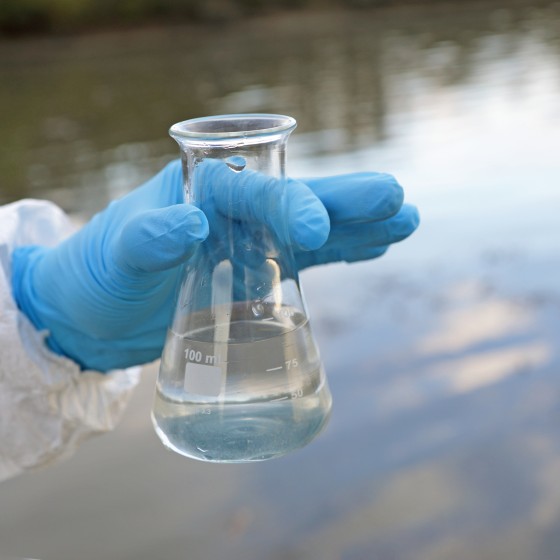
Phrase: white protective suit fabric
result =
(48, 406)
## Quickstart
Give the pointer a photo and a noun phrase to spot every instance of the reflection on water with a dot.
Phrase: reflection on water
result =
(442, 356)
(84, 119)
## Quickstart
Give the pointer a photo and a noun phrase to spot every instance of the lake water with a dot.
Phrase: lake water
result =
(443, 356)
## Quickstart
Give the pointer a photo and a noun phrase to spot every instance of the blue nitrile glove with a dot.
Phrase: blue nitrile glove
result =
(106, 294)
(367, 215)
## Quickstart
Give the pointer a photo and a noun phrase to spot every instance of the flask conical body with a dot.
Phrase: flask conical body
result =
(241, 377)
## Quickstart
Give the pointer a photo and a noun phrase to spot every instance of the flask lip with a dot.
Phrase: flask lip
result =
(232, 126)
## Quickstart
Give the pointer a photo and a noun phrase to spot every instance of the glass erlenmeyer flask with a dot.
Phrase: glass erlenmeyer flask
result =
(241, 378)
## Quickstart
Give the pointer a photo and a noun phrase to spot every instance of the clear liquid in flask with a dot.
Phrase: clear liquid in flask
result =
(255, 394)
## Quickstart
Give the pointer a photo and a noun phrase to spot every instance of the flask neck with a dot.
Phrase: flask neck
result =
(244, 151)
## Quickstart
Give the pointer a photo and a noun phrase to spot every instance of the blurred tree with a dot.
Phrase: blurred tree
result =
(23, 15)
(29, 16)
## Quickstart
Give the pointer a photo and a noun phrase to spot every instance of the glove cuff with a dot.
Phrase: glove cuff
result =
(24, 261)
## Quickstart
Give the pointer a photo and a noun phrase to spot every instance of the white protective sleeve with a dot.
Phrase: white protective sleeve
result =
(48, 406)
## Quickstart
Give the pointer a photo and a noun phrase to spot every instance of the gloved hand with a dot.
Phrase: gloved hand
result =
(106, 294)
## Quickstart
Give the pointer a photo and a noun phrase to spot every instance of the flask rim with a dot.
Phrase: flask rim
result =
(233, 126)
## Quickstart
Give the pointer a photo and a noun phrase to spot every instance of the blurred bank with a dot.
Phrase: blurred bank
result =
(443, 355)
(64, 16)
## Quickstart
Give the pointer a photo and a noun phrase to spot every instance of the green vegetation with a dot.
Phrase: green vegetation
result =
(31, 16)
(68, 16)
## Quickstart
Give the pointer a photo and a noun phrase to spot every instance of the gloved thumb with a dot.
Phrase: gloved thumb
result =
(160, 239)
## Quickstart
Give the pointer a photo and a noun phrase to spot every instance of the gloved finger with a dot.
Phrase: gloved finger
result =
(327, 255)
(160, 239)
(358, 197)
(383, 232)
(255, 197)
(308, 219)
